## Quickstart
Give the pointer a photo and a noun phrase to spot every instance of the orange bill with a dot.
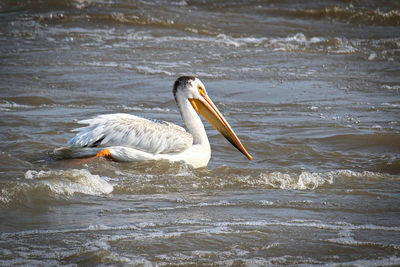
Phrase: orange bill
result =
(211, 113)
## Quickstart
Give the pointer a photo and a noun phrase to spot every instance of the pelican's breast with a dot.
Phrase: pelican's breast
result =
(127, 130)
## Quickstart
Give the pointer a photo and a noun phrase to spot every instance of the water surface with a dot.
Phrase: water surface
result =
(311, 88)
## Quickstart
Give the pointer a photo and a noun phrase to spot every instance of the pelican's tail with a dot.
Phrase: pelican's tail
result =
(76, 152)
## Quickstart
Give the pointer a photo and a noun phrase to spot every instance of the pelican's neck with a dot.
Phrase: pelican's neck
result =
(193, 122)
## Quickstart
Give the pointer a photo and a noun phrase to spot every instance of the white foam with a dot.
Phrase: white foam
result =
(30, 174)
(103, 64)
(296, 42)
(9, 105)
(300, 42)
(298, 37)
(372, 56)
(295, 180)
(390, 87)
(70, 182)
(149, 70)
(363, 174)
(349, 240)
(304, 180)
(377, 127)
(392, 105)
(146, 231)
(342, 227)
(209, 226)
(266, 203)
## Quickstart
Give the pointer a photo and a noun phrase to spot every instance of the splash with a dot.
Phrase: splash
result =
(49, 185)
(70, 182)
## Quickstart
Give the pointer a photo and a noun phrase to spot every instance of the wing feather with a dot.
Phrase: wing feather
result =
(128, 130)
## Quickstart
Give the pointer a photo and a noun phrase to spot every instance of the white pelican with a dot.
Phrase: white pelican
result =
(125, 137)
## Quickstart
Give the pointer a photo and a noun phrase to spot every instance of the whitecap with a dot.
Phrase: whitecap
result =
(149, 70)
(53, 184)
(350, 241)
(266, 203)
(9, 105)
(70, 182)
(298, 37)
(226, 40)
(390, 87)
(304, 180)
(391, 105)
(343, 227)
(302, 43)
(372, 56)
(377, 127)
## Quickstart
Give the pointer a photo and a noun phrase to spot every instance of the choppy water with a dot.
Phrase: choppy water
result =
(310, 87)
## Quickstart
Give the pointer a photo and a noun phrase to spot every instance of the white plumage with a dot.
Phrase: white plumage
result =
(126, 137)
(131, 131)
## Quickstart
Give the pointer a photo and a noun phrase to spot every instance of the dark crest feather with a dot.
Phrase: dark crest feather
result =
(182, 81)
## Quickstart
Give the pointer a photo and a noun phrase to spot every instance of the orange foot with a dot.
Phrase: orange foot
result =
(78, 162)
(104, 153)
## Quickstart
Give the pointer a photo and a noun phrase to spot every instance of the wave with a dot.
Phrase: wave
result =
(103, 237)
(24, 102)
(156, 69)
(164, 177)
(350, 241)
(6, 105)
(347, 14)
(300, 43)
(339, 226)
(137, 15)
(303, 180)
(71, 182)
(127, 13)
(192, 34)
(295, 42)
(391, 87)
(49, 185)
(389, 141)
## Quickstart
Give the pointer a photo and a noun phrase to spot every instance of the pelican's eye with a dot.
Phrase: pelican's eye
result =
(201, 90)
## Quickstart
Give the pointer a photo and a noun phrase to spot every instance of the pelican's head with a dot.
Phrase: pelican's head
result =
(194, 91)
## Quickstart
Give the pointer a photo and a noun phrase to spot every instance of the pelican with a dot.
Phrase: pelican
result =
(125, 137)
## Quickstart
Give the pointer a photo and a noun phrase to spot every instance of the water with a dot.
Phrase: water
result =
(311, 88)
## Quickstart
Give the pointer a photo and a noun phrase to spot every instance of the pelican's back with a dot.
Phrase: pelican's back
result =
(127, 130)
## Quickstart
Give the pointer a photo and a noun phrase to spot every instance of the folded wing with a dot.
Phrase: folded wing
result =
(127, 130)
